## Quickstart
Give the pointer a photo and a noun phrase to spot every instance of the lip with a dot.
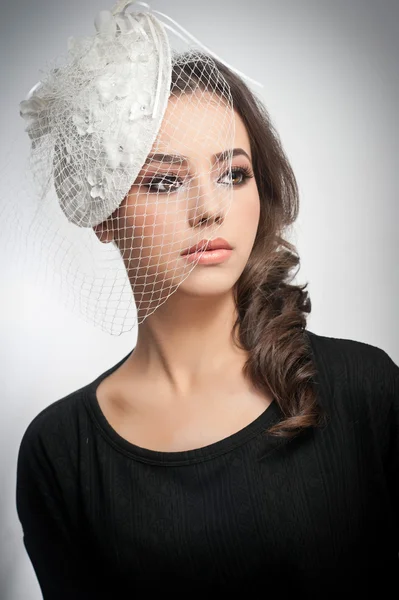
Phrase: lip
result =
(210, 257)
(217, 244)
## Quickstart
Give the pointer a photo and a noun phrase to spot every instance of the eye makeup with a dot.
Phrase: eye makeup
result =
(174, 183)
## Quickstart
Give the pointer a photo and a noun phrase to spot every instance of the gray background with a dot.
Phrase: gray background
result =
(330, 71)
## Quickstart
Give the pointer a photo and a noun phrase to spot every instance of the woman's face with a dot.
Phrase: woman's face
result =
(173, 205)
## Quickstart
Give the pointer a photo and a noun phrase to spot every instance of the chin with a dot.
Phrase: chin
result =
(208, 283)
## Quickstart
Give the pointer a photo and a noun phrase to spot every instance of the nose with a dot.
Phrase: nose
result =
(208, 204)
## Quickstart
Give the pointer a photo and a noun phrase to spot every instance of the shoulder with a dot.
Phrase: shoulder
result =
(52, 433)
(352, 359)
(59, 428)
(347, 349)
(361, 380)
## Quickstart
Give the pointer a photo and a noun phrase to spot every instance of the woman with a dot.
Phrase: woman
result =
(232, 450)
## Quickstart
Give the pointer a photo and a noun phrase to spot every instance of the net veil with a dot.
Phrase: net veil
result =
(129, 145)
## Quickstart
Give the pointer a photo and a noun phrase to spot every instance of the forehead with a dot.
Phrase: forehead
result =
(199, 123)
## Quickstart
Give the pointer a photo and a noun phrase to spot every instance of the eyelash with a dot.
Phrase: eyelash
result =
(244, 171)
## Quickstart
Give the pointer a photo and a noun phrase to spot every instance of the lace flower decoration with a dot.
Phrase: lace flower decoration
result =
(98, 116)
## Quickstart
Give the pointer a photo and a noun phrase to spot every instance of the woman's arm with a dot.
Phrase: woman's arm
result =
(48, 537)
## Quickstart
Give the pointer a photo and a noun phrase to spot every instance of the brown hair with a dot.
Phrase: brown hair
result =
(271, 319)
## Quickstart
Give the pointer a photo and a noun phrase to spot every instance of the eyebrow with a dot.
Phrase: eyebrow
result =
(180, 159)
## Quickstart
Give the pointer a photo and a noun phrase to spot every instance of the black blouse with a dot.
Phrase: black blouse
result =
(312, 517)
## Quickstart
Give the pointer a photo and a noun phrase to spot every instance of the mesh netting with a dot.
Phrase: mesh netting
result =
(129, 166)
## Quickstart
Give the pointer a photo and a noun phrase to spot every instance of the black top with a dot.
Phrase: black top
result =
(313, 517)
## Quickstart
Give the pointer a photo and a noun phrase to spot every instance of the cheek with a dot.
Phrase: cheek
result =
(147, 229)
(248, 209)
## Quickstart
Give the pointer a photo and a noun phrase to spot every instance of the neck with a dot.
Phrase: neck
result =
(186, 342)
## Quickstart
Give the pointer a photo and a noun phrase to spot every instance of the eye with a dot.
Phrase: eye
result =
(161, 181)
(244, 173)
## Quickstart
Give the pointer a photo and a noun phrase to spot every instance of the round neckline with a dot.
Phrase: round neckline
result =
(269, 416)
